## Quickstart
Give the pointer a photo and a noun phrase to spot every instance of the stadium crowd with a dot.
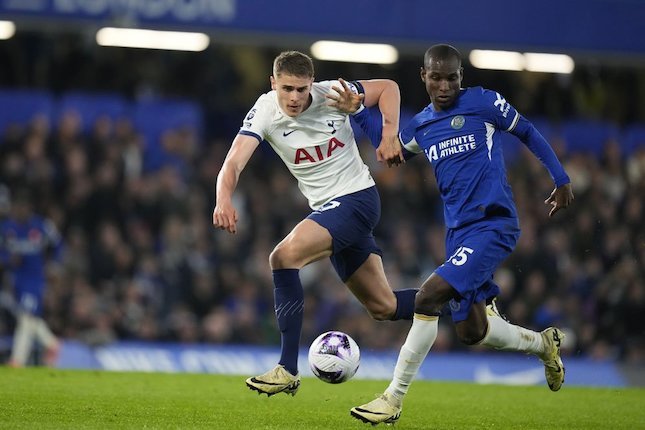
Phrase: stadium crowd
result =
(141, 260)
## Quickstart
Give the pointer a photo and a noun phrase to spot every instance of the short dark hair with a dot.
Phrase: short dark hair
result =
(441, 51)
(293, 63)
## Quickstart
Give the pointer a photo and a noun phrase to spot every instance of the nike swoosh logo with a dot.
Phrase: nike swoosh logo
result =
(371, 412)
(285, 134)
(257, 381)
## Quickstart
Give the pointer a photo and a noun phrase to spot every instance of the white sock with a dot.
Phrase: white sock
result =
(23, 338)
(420, 338)
(44, 334)
(506, 336)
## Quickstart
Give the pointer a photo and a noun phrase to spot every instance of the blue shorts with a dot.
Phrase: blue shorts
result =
(475, 251)
(350, 220)
(30, 301)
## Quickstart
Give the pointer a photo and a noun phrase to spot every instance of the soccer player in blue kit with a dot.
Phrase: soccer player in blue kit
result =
(316, 142)
(25, 241)
(459, 133)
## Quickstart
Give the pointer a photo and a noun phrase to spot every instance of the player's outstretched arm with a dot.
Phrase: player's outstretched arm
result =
(560, 198)
(562, 195)
(386, 94)
(225, 215)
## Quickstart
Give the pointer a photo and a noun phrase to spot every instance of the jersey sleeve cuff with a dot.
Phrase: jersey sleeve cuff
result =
(562, 180)
(359, 87)
(359, 110)
(250, 133)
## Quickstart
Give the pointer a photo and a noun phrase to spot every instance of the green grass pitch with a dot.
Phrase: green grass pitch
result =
(38, 398)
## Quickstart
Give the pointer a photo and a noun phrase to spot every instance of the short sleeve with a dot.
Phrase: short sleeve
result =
(257, 121)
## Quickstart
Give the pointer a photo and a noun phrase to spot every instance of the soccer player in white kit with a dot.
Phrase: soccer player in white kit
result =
(301, 121)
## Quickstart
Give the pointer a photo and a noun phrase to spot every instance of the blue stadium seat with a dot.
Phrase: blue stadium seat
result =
(153, 117)
(91, 106)
(21, 106)
(633, 138)
(588, 136)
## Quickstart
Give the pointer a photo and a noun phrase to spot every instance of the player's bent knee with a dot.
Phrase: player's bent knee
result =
(274, 259)
(468, 340)
(471, 336)
(427, 305)
(280, 257)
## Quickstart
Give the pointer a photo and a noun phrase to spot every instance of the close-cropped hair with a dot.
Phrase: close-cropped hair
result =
(293, 63)
(441, 52)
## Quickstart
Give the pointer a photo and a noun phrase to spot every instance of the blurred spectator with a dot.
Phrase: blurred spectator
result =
(143, 262)
(26, 241)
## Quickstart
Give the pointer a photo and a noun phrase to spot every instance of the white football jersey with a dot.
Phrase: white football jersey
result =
(318, 146)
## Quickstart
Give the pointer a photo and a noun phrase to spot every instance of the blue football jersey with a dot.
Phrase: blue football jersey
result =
(28, 243)
(463, 145)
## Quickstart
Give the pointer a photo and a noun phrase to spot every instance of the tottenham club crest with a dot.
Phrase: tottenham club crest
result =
(457, 122)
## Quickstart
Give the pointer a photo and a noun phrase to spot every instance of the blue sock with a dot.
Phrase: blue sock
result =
(404, 304)
(289, 308)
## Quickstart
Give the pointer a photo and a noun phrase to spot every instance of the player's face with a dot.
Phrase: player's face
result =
(443, 81)
(293, 93)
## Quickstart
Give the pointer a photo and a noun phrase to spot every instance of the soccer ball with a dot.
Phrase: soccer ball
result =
(334, 357)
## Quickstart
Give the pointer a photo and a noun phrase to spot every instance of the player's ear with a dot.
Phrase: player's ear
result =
(272, 80)
(422, 73)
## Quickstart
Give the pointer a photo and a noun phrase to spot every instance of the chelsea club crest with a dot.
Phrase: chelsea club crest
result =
(457, 122)
(454, 305)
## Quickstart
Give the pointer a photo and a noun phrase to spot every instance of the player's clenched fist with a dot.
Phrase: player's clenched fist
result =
(225, 217)
(390, 151)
